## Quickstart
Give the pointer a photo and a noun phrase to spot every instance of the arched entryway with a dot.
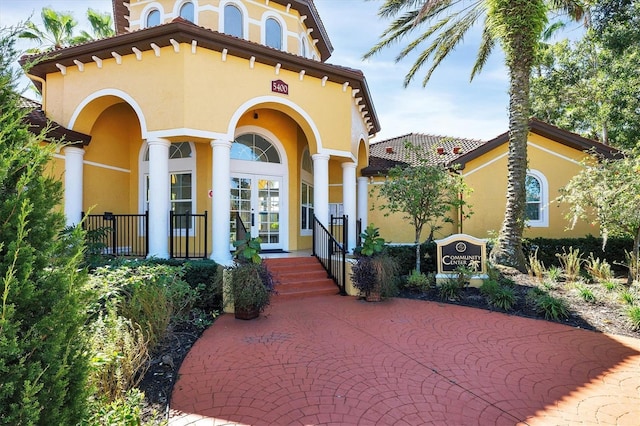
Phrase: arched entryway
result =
(259, 182)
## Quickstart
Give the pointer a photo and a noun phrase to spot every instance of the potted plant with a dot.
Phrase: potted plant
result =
(374, 272)
(250, 284)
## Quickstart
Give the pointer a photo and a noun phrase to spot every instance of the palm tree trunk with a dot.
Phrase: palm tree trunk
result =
(508, 250)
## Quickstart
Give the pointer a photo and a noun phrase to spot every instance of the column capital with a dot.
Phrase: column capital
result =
(220, 142)
(73, 150)
(349, 165)
(158, 142)
(320, 156)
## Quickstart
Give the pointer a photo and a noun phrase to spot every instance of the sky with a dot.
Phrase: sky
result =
(450, 105)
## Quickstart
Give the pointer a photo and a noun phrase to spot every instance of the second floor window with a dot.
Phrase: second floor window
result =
(153, 18)
(233, 21)
(187, 12)
(273, 34)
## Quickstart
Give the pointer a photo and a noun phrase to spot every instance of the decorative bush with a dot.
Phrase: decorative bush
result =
(251, 286)
(405, 257)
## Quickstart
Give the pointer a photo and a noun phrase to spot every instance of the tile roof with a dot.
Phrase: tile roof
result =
(383, 155)
(386, 154)
(37, 122)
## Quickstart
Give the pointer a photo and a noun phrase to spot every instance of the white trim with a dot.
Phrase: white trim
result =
(110, 92)
(243, 11)
(275, 170)
(499, 157)
(548, 151)
(142, 23)
(284, 33)
(543, 222)
(106, 166)
(185, 132)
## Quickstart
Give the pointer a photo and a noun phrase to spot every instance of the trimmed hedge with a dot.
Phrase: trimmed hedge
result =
(405, 257)
(614, 251)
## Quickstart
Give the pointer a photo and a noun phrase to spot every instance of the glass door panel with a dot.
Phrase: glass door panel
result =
(257, 200)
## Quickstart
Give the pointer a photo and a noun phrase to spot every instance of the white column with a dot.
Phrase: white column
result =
(73, 172)
(159, 198)
(321, 188)
(363, 201)
(221, 201)
(349, 201)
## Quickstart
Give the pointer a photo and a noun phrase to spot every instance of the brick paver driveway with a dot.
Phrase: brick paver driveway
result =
(338, 360)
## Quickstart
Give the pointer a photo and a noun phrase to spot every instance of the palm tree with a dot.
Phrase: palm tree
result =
(57, 31)
(517, 25)
(101, 27)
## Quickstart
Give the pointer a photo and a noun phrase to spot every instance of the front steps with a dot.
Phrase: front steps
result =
(298, 277)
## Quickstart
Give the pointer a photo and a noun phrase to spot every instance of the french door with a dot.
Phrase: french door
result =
(257, 199)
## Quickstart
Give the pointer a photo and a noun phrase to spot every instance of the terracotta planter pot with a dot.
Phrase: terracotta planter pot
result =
(247, 313)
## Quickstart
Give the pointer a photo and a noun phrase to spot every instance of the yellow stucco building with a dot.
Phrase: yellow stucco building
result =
(224, 106)
(554, 157)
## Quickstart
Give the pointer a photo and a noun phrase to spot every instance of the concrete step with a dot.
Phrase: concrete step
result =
(298, 277)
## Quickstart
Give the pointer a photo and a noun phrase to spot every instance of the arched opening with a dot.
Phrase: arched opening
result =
(233, 24)
(187, 11)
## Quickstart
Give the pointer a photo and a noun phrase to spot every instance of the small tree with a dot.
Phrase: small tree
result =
(608, 193)
(43, 361)
(425, 193)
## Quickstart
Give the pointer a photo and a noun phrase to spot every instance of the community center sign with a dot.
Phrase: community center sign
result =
(461, 250)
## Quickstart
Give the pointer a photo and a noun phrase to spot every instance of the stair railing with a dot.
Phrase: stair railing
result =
(331, 253)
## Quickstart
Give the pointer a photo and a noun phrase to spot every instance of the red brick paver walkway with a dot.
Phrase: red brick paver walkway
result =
(337, 360)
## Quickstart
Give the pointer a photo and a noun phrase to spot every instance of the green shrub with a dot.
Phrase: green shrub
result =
(554, 273)
(570, 261)
(119, 355)
(43, 309)
(124, 411)
(628, 297)
(633, 315)
(609, 285)
(449, 290)
(552, 307)
(503, 298)
(598, 269)
(489, 288)
(405, 257)
(586, 293)
(202, 275)
(418, 281)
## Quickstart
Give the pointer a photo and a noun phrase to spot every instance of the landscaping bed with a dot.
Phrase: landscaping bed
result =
(607, 313)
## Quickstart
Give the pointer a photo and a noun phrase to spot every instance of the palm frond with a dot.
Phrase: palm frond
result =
(487, 43)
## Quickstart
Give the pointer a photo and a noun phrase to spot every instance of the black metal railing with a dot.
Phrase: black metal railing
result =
(337, 228)
(118, 234)
(241, 229)
(358, 232)
(188, 234)
(331, 254)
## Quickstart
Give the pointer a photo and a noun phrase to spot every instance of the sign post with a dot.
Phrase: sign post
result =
(462, 251)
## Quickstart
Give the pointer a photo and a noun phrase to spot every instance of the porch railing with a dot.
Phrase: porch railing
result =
(188, 235)
(331, 253)
(118, 234)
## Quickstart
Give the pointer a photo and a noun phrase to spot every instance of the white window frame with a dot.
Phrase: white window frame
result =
(147, 10)
(243, 12)
(543, 222)
(306, 178)
(283, 29)
(180, 4)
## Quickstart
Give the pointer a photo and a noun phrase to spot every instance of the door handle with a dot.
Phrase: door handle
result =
(253, 221)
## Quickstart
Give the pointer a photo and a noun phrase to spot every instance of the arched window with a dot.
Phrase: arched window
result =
(273, 34)
(153, 18)
(182, 167)
(187, 12)
(536, 212)
(252, 147)
(306, 194)
(303, 48)
(233, 21)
